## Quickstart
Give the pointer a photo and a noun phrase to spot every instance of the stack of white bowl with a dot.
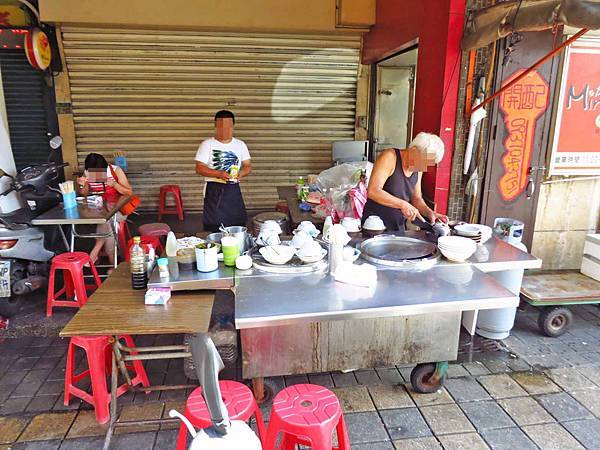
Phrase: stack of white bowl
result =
(478, 233)
(456, 248)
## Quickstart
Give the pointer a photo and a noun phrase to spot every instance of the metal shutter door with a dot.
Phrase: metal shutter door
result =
(24, 97)
(154, 95)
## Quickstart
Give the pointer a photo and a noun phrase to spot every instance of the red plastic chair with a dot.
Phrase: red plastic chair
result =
(177, 209)
(240, 404)
(154, 229)
(97, 348)
(74, 289)
(145, 242)
(307, 415)
(123, 237)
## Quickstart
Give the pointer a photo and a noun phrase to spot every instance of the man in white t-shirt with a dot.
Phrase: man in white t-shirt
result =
(223, 160)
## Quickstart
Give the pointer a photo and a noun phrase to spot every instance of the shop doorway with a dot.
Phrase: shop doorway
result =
(502, 196)
(394, 101)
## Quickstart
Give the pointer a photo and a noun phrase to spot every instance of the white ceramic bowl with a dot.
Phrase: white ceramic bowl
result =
(270, 226)
(351, 224)
(300, 239)
(310, 248)
(350, 254)
(243, 262)
(456, 248)
(277, 254)
(486, 232)
(467, 230)
(374, 223)
(313, 258)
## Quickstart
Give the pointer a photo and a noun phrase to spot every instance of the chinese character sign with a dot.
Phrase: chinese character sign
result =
(576, 146)
(522, 104)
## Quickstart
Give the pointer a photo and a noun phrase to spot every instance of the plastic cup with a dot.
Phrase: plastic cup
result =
(231, 250)
(69, 200)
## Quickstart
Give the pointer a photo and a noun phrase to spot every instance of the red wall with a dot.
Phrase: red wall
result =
(437, 25)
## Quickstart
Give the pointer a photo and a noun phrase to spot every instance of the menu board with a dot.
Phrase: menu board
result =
(576, 146)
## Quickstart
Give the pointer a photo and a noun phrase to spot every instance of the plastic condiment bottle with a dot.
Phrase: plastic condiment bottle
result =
(137, 258)
(171, 247)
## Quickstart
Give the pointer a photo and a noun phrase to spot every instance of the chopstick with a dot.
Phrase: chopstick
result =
(67, 187)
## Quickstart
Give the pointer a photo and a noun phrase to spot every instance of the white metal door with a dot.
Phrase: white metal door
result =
(394, 107)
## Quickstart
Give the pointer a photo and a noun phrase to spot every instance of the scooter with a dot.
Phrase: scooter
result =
(24, 259)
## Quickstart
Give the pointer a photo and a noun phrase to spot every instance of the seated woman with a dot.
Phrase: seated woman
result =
(394, 191)
(116, 184)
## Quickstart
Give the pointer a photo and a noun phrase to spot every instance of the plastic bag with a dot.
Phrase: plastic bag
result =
(336, 184)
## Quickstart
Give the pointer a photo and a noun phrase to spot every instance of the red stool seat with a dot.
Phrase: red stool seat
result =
(240, 404)
(154, 229)
(177, 208)
(97, 348)
(307, 415)
(75, 290)
(145, 242)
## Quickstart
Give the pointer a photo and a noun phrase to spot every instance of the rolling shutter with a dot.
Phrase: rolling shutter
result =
(24, 89)
(153, 94)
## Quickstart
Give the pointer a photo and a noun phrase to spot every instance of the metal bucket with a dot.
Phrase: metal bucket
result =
(241, 234)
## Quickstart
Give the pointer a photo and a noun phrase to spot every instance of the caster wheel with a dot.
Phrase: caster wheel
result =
(554, 321)
(421, 381)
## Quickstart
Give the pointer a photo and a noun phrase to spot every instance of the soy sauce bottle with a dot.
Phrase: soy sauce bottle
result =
(137, 258)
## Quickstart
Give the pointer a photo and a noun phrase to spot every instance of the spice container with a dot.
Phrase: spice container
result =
(186, 257)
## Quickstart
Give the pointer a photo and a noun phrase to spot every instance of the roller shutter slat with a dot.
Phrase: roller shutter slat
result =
(153, 94)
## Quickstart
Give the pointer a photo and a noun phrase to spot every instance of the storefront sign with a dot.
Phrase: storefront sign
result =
(576, 147)
(521, 104)
(13, 16)
(37, 49)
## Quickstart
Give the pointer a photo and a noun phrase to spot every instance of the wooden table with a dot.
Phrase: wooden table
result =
(288, 193)
(116, 309)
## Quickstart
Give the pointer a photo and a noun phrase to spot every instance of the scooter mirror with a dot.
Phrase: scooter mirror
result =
(56, 142)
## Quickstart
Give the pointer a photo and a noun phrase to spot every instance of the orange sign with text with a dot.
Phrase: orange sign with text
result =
(522, 104)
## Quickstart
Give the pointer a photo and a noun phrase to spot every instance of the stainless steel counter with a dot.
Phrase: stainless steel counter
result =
(281, 300)
(220, 279)
(84, 214)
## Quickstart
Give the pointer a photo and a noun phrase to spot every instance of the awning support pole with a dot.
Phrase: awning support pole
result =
(533, 67)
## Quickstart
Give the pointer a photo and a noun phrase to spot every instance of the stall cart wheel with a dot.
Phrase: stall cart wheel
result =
(429, 377)
(554, 321)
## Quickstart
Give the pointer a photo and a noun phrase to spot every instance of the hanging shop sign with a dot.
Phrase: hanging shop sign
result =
(13, 16)
(522, 104)
(576, 146)
(37, 49)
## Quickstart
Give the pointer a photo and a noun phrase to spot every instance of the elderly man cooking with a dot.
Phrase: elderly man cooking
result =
(394, 191)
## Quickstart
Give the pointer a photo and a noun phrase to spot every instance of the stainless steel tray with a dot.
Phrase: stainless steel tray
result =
(295, 266)
(399, 251)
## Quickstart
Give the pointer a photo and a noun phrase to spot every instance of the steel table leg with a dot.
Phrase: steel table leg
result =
(113, 402)
(73, 237)
(64, 238)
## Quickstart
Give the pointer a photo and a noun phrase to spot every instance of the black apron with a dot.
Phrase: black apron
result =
(223, 204)
(400, 186)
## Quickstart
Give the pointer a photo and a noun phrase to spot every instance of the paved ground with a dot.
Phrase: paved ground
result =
(540, 393)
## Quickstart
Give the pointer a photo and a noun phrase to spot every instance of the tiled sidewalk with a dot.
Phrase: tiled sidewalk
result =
(546, 396)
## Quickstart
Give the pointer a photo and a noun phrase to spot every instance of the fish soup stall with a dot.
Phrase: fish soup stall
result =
(295, 318)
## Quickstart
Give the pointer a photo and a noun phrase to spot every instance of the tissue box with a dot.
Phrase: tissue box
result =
(157, 296)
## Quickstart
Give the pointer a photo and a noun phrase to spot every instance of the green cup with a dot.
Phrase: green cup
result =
(231, 250)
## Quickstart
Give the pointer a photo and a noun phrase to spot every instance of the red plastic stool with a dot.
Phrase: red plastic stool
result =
(307, 415)
(145, 242)
(75, 289)
(123, 237)
(240, 404)
(154, 229)
(177, 209)
(96, 349)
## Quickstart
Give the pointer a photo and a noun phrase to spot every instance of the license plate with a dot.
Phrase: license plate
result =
(4, 278)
